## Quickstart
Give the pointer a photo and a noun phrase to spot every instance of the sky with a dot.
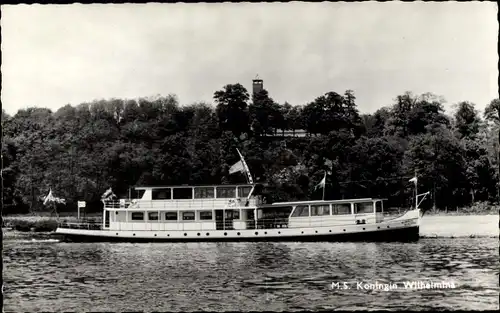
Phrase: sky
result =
(53, 55)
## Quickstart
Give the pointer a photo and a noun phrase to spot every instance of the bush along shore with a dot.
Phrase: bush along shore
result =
(30, 223)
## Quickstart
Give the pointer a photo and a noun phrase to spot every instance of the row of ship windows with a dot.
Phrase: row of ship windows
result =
(185, 216)
(300, 211)
(336, 209)
(199, 193)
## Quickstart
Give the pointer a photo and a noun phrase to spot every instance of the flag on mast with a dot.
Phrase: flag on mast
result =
(50, 198)
(241, 166)
(322, 183)
(237, 167)
(108, 195)
(413, 180)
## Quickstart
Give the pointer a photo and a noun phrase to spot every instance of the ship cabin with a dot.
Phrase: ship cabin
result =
(183, 208)
(330, 212)
(230, 207)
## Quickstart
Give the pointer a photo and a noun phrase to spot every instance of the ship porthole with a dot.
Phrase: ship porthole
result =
(387, 226)
(185, 234)
(344, 229)
(134, 234)
(208, 234)
(302, 232)
(279, 232)
(330, 230)
(198, 234)
(256, 232)
(265, 233)
(378, 227)
(225, 234)
(117, 234)
(316, 232)
(364, 228)
(168, 235)
(155, 235)
(238, 233)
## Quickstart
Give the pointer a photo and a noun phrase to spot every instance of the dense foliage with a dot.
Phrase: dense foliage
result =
(81, 151)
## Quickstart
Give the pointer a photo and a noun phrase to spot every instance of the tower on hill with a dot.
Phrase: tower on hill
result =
(258, 85)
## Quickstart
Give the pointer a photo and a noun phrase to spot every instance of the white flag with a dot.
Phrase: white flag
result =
(108, 195)
(48, 198)
(51, 198)
(413, 180)
(237, 167)
(322, 183)
(241, 166)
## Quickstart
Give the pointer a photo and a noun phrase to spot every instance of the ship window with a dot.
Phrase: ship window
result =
(160, 194)
(188, 216)
(205, 215)
(203, 192)
(226, 192)
(366, 207)
(171, 216)
(183, 193)
(153, 216)
(340, 209)
(137, 216)
(244, 191)
(232, 214)
(139, 193)
(318, 210)
(301, 210)
(378, 207)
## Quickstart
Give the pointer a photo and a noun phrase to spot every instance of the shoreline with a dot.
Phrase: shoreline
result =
(455, 213)
(36, 223)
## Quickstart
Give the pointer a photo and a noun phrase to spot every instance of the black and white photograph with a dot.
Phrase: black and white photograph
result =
(246, 157)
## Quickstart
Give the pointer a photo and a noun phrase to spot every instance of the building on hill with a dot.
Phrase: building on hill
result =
(289, 133)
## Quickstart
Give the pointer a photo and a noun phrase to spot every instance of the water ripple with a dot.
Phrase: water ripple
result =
(179, 277)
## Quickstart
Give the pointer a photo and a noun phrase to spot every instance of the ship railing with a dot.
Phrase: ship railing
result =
(394, 213)
(183, 204)
(122, 203)
(311, 222)
(80, 225)
(267, 223)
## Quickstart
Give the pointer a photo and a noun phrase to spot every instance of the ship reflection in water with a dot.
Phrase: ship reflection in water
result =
(51, 276)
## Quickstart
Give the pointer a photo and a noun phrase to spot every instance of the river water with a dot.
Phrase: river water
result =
(46, 275)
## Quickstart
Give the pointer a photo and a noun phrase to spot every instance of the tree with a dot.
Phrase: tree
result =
(265, 114)
(492, 114)
(331, 112)
(398, 122)
(438, 158)
(427, 115)
(479, 172)
(467, 120)
(232, 108)
(375, 125)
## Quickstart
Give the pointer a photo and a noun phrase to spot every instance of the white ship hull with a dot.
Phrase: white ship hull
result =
(403, 228)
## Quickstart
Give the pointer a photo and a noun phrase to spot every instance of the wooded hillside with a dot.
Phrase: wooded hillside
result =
(81, 151)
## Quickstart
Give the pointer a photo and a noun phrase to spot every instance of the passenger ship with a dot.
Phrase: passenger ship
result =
(238, 213)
